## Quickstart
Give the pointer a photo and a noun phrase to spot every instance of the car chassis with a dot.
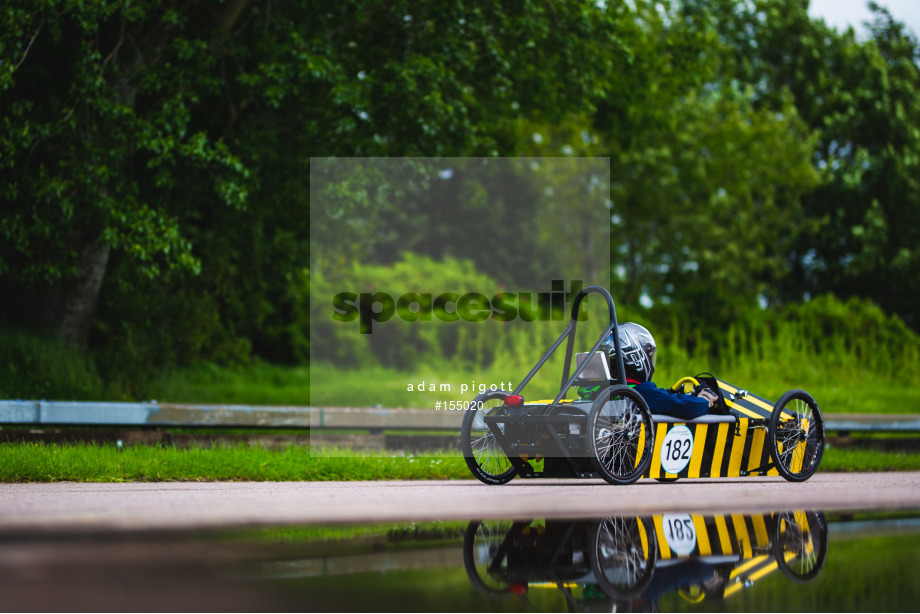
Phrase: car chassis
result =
(614, 436)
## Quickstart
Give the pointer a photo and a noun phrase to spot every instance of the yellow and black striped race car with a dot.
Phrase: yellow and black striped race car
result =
(615, 436)
(623, 561)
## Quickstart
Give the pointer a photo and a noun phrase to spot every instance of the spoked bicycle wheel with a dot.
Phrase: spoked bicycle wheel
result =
(797, 435)
(624, 552)
(800, 544)
(620, 435)
(484, 559)
(483, 454)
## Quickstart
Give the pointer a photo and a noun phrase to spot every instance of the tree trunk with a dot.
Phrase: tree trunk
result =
(81, 294)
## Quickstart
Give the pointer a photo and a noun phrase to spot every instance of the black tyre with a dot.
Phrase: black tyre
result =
(484, 558)
(624, 552)
(620, 435)
(483, 454)
(800, 544)
(797, 435)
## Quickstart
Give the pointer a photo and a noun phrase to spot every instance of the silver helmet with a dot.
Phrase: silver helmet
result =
(639, 351)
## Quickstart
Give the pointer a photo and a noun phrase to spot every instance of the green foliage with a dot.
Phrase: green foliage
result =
(36, 367)
(755, 154)
(98, 136)
(516, 219)
(848, 354)
(857, 330)
(703, 182)
(395, 342)
(862, 98)
(256, 384)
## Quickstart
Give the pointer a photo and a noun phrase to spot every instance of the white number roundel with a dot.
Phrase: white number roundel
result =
(679, 533)
(676, 449)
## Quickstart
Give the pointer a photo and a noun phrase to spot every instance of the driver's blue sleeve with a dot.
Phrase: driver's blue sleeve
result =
(660, 401)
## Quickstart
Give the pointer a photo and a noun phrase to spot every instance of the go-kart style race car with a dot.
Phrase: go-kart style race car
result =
(624, 561)
(614, 435)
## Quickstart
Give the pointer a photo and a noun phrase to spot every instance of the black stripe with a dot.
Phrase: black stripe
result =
(767, 449)
(712, 436)
(766, 525)
(760, 411)
(746, 455)
(727, 457)
(752, 534)
(732, 536)
(712, 531)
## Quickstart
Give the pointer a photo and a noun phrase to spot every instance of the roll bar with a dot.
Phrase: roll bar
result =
(612, 327)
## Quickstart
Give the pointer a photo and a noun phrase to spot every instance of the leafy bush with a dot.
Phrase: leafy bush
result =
(394, 343)
(36, 367)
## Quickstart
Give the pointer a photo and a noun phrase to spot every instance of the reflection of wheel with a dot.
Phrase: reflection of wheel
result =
(623, 555)
(485, 565)
(620, 435)
(484, 456)
(800, 544)
(797, 435)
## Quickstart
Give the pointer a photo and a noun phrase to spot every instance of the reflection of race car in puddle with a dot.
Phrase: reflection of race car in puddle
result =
(613, 435)
(639, 559)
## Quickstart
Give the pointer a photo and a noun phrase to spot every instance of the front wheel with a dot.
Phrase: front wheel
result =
(482, 452)
(624, 552)
(797, 435)
(800, 544)
(620, 435)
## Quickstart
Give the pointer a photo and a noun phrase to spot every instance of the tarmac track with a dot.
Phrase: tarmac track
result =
(79, 507)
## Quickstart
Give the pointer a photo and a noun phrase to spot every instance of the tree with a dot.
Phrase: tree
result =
(704, 182)
(145, 142)
(863, 100)
(98, 139)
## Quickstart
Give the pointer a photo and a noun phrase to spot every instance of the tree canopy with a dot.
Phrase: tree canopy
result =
(155, 155)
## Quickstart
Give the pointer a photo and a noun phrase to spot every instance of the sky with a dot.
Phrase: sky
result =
(843, 13)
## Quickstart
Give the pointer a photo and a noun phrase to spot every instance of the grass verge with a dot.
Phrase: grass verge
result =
(38, 462)
(868, 459)
(31, 462)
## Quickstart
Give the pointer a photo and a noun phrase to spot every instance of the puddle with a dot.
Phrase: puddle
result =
(784, 561)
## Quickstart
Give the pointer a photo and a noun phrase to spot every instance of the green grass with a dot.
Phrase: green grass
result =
(839, 459)
(258, 384)
(413, 534)
(388, 387)
(24, 462)
(29, 462)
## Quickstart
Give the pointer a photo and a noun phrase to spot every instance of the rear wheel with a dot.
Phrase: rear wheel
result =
(483, 454)
(620, 435)
(485, 558)
(797, 435)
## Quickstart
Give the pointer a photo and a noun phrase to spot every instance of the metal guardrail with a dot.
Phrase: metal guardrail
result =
(153, 414)
(877, 423)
